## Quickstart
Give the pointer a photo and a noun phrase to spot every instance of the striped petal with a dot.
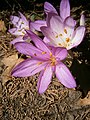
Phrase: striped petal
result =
(56, 24)
(79, 35)
(44, 79)
(30, 50)
(48, 8)
(38, 42)
(61, 53)
(17, 32)
(28, 67)
(64, 76)
(18, 39)
(64, 9)
(37, 24)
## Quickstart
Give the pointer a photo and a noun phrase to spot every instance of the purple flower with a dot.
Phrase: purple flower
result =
(61, 30)
(21, 25)
(64, 9)
(44, 59)
(63, 34)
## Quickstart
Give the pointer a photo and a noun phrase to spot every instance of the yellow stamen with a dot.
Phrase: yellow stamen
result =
(39, 63)
(60, 35)
(67, 40)
(50, 54)
(22, 22)
(65, 31)
(52, 61)
(23, 32)
(56, 36)
(59, 44)
(44, 52)
(19, 30)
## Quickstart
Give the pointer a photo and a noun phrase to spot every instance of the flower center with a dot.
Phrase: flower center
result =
(65, 40)
(52, 60)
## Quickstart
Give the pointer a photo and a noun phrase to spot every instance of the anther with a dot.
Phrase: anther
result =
(65, 31)
(44, 52)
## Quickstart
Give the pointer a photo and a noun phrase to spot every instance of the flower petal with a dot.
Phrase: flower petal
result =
(30, 50)
(64, 9)
(23, 18)
(38, 42)
(46, 40)
(28, 67)
(14, 20)
(56, 24)
(26, 48)
(44, 79)
(69, 26)
(37, 24)
(48, 8)
(17, 32)
(64, 76)
(48, 33)
(79, 34)
(18, 39)
(69, 21)
(49, 16)
(61, 53)
(82, 20)
(20, 22)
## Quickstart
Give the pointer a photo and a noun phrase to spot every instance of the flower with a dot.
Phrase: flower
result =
(63, 34)
(61, 30)
(21, 25)
(64, 9)
(44, 59)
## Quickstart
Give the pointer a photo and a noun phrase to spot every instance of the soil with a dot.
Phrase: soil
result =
(19, 98)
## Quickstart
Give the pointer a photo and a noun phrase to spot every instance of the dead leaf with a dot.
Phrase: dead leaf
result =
(85, 101)
(2, 26)
(10, 62)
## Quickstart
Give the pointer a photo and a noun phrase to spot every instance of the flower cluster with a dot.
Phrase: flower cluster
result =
(21, 25)
(47, 55)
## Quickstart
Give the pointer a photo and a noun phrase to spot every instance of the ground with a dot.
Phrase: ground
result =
(19, 98)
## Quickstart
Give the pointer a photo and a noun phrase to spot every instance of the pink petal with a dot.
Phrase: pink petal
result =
(82, 20)
(28, 67)
(44, 79)
(69, 26)
(27, 48)
(46, 40)
(56, 24)
(37, 24)
(79, 35)
(49, 16)
(48, 8)
(17, 32)
(48, 33)
(14, 20)
(38, 42)
(64, 76)
(18, 39)
(61, 53)
(23, 18)
(30, 50)
(69, 21)
(64, 9)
